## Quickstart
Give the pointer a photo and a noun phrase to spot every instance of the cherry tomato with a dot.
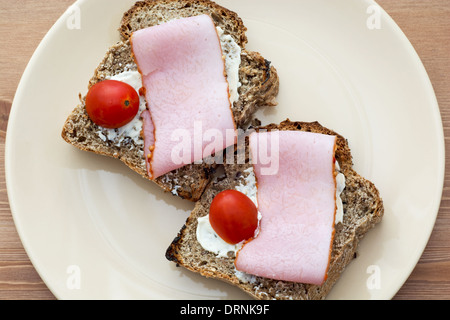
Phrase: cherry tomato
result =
(112, 104)
(233, 216)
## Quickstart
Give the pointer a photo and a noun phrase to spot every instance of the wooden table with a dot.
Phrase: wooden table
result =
(25, 22)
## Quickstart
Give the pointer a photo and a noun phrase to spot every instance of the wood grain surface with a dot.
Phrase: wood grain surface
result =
(25, 22)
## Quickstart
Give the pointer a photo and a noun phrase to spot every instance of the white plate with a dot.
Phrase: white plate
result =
(95, 229)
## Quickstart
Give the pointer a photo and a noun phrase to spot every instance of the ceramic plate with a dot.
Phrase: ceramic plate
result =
(96, 230)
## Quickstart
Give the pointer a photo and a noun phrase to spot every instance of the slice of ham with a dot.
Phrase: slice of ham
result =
(298, 207)
(183, 74)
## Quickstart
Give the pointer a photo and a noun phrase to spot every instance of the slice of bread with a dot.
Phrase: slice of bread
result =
(258, 78)
(363, 209)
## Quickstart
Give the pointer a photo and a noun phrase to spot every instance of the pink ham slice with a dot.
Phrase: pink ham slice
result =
(298, 208)
(183, 74)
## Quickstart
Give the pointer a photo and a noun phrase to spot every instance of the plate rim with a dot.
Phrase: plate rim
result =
(439, 131)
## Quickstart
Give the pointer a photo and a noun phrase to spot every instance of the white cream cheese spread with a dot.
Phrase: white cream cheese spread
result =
(206, 235)
(340, 186)
(210, 241)
(131, 130)
(232, 54)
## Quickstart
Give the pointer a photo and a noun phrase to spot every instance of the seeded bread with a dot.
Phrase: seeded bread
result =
(258, 78)
(363, 209)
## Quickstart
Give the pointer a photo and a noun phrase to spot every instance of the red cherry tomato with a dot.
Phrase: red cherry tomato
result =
(112, 104)
(233, 216)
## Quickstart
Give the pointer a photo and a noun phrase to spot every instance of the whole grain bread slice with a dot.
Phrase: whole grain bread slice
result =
(363, 209)
(258, 78)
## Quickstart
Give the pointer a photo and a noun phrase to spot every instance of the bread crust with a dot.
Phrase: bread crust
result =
(363, 209)
(131, 20)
